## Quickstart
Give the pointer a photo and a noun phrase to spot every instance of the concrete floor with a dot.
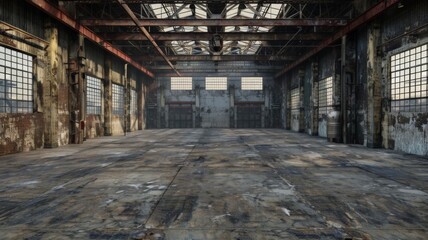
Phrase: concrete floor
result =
(213, 184)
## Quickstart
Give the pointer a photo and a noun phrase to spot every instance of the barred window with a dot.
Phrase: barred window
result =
(295, 100)
(16, 81)
(216, 83)
(325, 96)
(181, 83)
(134, 104)
(118, 100)
(93, 95)
(409, 80)
(252, 83)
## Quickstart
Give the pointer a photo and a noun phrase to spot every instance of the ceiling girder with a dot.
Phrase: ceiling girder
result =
(351, 26)
(190, 58)
(146, 33)
(205, 36)
(330, 22)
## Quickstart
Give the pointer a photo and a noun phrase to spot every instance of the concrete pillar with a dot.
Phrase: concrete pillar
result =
(301, 100)
(343, 96)
(81, 103)
(314, 99)
(50, 89)
(372, 137)
(127, 88)
(108, 107)
(232, 112)
(287, 105)
(161, 111)
(197, 116)
(140, 104)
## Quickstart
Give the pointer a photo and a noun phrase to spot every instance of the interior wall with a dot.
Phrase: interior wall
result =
(370, 119)
(216, 108)
(49, 124)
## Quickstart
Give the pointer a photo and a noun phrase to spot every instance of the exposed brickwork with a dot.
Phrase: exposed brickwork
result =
(20, 132)
(94, 126)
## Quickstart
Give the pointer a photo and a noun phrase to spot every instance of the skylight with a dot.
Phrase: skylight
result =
(183, 11)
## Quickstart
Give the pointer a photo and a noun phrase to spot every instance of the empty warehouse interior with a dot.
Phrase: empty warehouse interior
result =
(222, 119)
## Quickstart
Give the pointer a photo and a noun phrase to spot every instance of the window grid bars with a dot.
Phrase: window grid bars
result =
(409, 80)
(16, 81)
(93, 95)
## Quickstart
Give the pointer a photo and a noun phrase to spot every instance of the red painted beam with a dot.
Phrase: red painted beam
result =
(86, 32)
(353, 25)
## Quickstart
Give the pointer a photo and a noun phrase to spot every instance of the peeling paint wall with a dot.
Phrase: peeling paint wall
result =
(50, 123)
(63, 86)
(409, 132)
(403, 131)
(20, 132)
(95, 67)
(118, 77)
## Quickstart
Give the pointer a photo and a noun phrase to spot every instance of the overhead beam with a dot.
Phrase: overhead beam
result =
(204, 36)
(205, 1)
(146, 33)
(353, 25)
(331, 22)
(231, 67)
(224, 58)
(87, 33)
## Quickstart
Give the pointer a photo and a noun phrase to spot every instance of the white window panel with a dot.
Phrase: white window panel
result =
(118, 100)
(93, 95)
(409, 81)
(252, 83)
(181, 83)
(16, 83)
(216, 83)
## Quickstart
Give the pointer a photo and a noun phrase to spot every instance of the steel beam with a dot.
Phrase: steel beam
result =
(145, 32)
(353, 25)
(224, 58)
(331, 22)
(86, 32)
(205, 1)
(202, 36)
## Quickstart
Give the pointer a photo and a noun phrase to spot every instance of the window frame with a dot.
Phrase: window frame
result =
(16, 68)
(210, 85)
(249, 83)
(94, 90)
(408, 79)
(180, 84)
(118, 98)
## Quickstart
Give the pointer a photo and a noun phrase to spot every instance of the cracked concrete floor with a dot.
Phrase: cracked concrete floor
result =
(213, 184)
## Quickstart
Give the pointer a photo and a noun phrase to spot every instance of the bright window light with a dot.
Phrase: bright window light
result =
(252, 83)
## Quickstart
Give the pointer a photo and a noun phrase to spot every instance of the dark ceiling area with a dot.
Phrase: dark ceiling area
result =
(160, 35)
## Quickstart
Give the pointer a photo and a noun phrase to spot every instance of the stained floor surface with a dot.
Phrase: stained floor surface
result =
(213, 184)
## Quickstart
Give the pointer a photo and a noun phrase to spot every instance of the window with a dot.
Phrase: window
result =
(325, 96)
(216, 83)
(295, 100)
(93, 95)
(134, 105)
(181, 83)
(16, 81)
(252, 83)
(409, 80)
(118, 100)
